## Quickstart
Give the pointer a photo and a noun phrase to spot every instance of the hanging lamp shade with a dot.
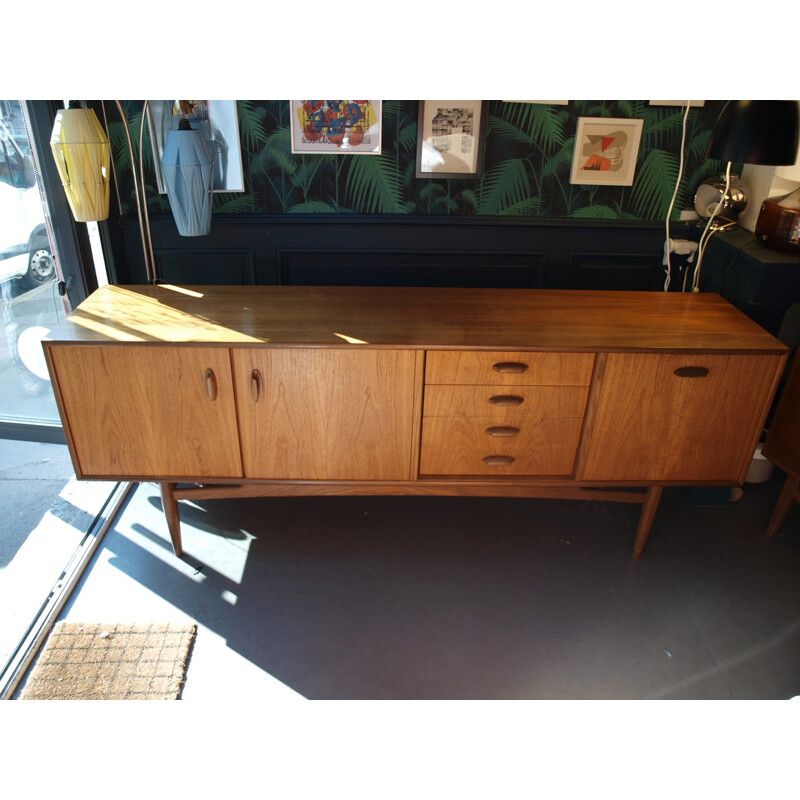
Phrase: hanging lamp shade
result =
(83, 159)
(756, 132)
(188, 172)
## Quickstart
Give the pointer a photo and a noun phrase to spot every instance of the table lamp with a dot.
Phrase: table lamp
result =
(750, 132)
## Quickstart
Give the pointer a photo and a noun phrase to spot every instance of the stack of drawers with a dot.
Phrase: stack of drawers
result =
(503, 413)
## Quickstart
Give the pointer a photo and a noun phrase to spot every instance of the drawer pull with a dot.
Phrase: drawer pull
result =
(510, 367)
(256, 385)
(691, 372)
(502, 431)
(507, 400)
(211, 384)
(498, 461)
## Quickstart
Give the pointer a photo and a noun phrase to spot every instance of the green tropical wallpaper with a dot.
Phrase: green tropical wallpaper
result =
(526, 167)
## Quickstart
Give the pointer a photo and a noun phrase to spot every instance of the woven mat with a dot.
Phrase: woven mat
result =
(111, 662)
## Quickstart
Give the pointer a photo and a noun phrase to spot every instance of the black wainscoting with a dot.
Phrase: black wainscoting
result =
(401, 251)
(759, 280)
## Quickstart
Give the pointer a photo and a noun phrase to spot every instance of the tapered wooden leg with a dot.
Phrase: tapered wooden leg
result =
(649, 508)
(789, 494)
(173, 515)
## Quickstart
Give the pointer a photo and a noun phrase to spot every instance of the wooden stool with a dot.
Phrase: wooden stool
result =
(782, 447)
(789, 494)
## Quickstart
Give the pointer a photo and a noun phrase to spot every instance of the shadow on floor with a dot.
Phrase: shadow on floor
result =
(481, 598)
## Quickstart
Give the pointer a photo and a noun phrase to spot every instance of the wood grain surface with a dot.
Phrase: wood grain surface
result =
(326, 414)
(478, 319)
(146, 411)
(653, 425)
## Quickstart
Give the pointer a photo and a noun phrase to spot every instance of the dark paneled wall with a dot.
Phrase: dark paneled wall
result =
(396, 251)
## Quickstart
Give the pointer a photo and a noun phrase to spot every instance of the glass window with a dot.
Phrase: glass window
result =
(29, 278)
(45, 510)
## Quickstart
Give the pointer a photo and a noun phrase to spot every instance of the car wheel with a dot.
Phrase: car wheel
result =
(41, 267)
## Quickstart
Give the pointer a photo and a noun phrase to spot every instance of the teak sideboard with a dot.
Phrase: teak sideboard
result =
(245, 391)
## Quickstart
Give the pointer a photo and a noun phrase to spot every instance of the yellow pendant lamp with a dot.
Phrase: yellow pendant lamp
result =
(83, 158)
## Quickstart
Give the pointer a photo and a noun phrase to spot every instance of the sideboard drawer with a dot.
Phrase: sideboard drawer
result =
(503, 413)
(502, 368)
(503, 404)
(479, 446)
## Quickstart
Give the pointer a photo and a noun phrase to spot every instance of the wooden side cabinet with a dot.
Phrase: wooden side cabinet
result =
(267, 391)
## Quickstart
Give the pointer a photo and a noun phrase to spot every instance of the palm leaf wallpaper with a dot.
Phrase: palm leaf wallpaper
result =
(526, 168)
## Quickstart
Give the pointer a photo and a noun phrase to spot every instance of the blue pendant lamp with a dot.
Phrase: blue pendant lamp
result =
(189, 175)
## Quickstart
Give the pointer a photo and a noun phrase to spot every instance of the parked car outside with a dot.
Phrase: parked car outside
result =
(25, 251)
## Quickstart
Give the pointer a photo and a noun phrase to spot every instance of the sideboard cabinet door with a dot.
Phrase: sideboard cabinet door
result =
(149, 411)
(673, 417)
(325, 413)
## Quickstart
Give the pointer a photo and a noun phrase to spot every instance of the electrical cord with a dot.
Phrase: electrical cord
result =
(708, 232)
(668, 243)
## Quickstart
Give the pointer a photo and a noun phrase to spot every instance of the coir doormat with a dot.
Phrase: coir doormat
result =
(91, 661)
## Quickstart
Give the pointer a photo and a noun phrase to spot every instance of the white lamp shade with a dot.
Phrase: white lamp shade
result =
(188, 172)
(83, 159)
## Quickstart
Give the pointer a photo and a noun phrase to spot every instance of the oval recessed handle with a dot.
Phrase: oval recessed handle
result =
(506, 400)
(211, 384)
(498, 461)
(256, 385)
(691, 372)
(502, 431)
(510, 367)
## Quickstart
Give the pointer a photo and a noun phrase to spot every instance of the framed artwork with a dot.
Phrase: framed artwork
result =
(606, 151)
(692, 103)
(450, 138)
(336, 126)
(219, 124)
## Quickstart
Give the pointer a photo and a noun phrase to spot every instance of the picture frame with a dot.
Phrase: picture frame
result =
(451, 137)
(336, 126)
(692, 103)
(218, 121)
(606, 150)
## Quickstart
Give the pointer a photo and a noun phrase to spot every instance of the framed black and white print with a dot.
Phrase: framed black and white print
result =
(450, 138)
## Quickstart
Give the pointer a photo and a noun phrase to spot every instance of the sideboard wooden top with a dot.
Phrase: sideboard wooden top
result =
(431, 318)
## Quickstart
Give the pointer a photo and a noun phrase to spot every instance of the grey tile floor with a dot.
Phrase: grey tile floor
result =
(31, 476)
(463, 598)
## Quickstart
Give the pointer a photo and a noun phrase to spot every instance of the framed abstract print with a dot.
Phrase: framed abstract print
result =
(606, 151)
(336, 126)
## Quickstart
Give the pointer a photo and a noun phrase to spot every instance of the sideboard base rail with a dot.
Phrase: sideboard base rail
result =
(648, 498)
